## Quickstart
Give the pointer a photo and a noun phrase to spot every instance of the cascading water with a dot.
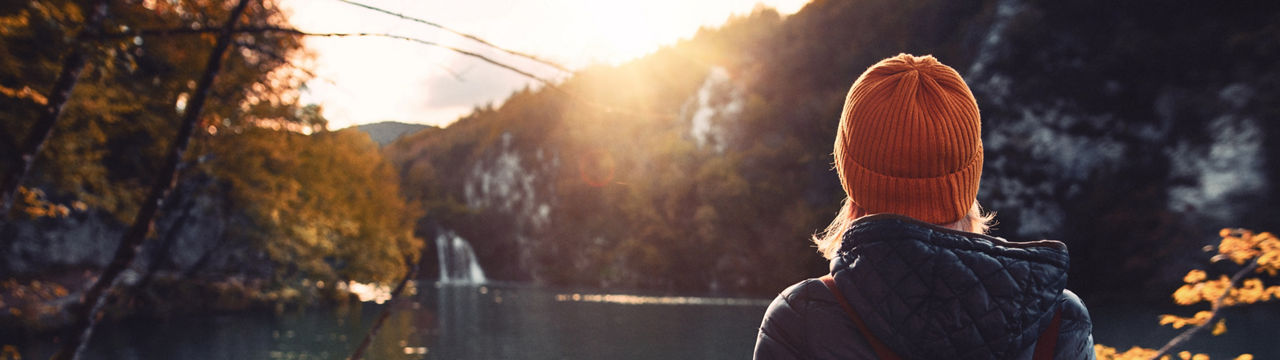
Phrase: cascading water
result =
(458, 263)
(717, 102)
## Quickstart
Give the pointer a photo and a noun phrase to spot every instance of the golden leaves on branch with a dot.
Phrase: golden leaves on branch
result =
(35, 204)
(1258, 252)
(26, 92)
(1178, 322)
(1104, 352)
(1140, 353)
(14, 23)
(1249, 292)
(28, 301)
(1220, 327)
(1241, 246)
(1186, 355)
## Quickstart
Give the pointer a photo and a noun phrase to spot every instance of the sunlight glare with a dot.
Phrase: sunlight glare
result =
(363, 80)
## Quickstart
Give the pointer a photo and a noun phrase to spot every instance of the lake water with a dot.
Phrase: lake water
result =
(515, 322)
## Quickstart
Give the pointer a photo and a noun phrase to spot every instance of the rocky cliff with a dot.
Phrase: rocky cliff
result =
(1128, 133)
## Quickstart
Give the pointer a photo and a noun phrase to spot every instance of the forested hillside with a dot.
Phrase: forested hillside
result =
(1130, 131)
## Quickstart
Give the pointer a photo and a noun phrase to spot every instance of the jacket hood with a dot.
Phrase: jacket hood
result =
(929, 292)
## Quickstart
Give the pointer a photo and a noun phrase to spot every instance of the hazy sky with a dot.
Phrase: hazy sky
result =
(364, 80)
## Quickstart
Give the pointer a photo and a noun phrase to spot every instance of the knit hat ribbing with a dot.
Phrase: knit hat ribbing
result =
(910, 140)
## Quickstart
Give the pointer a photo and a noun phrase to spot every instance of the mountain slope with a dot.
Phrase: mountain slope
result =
(706, 165)
(385, 132)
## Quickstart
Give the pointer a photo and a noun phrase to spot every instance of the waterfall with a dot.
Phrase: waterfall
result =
(717, 101)
(458, 263)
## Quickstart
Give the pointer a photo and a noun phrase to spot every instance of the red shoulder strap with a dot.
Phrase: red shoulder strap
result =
(1048, 339)
(881, 350)
(1044, 346)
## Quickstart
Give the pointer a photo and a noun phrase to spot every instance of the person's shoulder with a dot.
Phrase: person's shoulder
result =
(793, 300)
(797, 299)
(1074, 313)
(804, 290)
(1075, 333)
(784, 330)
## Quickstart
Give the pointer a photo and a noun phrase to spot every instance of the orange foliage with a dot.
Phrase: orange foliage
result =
(1259, 252)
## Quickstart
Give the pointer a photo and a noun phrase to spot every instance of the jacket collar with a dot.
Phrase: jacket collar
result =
(868, 229)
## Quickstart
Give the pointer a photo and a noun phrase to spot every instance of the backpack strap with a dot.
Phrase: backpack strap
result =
(1045, 346)
(1048, 339)
(880, 349)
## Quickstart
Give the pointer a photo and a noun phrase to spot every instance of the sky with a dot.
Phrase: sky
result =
(365, 80)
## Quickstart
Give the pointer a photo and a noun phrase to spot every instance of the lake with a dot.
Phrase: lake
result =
(520, 322)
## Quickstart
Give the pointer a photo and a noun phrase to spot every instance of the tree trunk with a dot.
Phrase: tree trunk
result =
(72, 65)
(161, 253)
(86, 312)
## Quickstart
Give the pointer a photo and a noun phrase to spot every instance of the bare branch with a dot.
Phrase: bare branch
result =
(261, 29)
(489, 60)
(268, 52)
(465, 35)
(608, 109)
(1215, 310)
(386, 312)
(272, 54)
(456, 75)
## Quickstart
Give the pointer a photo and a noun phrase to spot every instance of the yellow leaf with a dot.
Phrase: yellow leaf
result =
(1220, 327)
(1194, 276)
(10, 352)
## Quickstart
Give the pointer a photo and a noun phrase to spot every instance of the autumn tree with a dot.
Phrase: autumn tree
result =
(321, 204)
(324, 206)
(134, 85)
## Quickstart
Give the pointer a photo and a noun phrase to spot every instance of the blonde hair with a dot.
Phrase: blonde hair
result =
(828, 241)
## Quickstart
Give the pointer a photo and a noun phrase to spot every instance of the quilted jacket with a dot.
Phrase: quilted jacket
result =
(929, 292)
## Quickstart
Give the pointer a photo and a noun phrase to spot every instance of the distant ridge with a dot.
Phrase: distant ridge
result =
(385, 132)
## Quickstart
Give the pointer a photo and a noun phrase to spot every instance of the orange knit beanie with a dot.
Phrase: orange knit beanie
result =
(910, 141)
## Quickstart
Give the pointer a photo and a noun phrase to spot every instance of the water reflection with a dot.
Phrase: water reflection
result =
(445, 321)
(459, 325)
(625, 299)
(495, 321)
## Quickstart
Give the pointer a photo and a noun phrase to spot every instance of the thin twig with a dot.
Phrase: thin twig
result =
(386, 312)
(608, 109)
(272, 54)
(1215, 310)
(292, 31)
(487, 59)
(612, 110)
(465, 35)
